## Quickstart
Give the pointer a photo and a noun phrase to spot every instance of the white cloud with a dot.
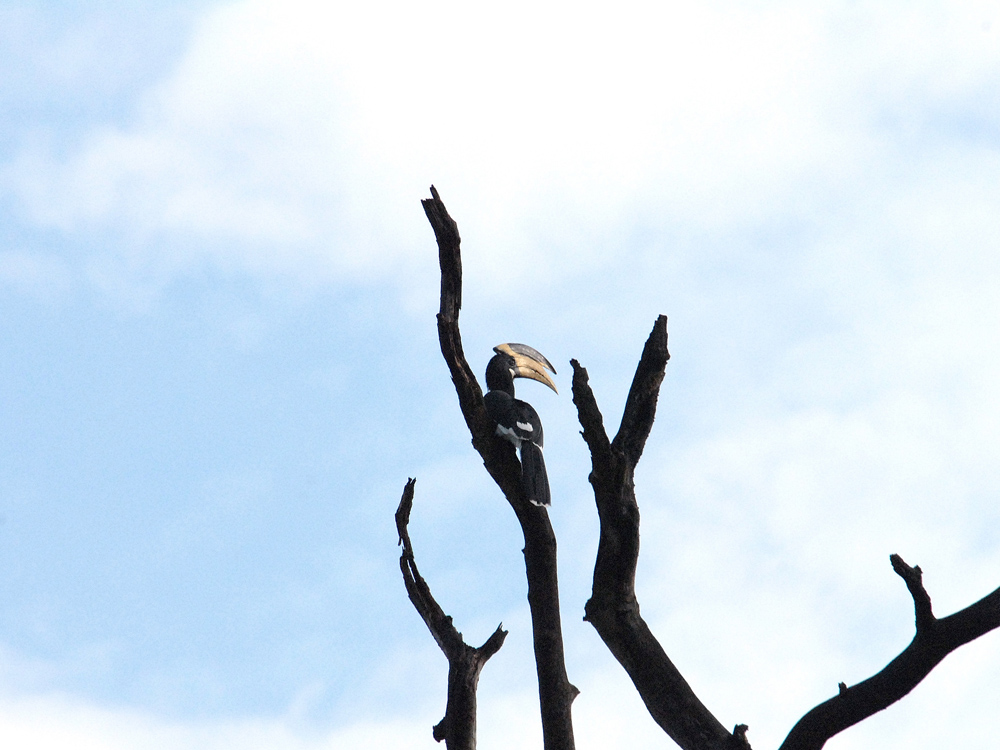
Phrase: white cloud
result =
(296, 138)
(949, 707)
(56, 722)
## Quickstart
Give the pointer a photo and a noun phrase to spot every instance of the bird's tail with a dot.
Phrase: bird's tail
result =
(534, 480)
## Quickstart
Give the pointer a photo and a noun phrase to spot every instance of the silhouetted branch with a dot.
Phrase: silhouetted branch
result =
(613, 609)
(458, 727)
(934, 640)
(555, 692)
(640, 406)
(913, 577)
(470, 395)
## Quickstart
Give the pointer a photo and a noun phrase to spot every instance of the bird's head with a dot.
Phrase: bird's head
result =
(525, 362)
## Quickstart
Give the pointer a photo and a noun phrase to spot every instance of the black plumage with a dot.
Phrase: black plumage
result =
(516, 420)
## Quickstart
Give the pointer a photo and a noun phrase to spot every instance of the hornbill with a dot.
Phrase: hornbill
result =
(516, 420)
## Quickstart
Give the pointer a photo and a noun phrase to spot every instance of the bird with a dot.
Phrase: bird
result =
(516, 420)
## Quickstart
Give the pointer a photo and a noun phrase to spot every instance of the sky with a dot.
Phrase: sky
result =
(220, 365)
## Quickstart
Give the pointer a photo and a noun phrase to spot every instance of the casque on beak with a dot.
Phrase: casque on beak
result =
(528, 363)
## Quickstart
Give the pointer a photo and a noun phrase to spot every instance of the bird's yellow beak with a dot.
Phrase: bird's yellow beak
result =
(529, 363)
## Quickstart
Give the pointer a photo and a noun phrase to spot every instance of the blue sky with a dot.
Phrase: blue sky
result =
(217, 299)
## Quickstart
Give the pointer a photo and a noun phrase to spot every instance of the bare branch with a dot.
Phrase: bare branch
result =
(613, 609)
(458, 727)
(470, 395)
(913, 577)
(934, 640)
(590, 416)
(555, 692)
(640, 407)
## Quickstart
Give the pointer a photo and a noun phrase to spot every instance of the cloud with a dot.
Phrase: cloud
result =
(809, 192)
(949, 706)
(296, 138)
(51, 722)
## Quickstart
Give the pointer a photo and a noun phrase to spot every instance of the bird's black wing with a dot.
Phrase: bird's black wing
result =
(527, 422)
(516, 420)
(534, 479)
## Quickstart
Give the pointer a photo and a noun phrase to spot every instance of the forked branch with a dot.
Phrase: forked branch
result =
(613, 609)
(458, 727)
(933, 641)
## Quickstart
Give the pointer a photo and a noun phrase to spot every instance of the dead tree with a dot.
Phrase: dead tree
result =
(458, 727)
(555, 693)
(613, 608)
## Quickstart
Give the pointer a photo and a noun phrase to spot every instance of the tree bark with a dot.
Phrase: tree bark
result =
(934, 640)
(613, 608)
(555, 692)
(458, 727)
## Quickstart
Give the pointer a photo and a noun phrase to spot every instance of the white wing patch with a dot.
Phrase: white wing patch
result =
(506, 432)
(525, 426)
